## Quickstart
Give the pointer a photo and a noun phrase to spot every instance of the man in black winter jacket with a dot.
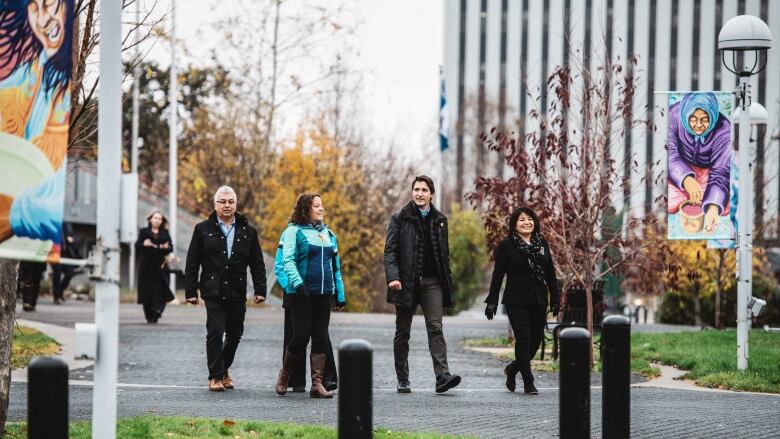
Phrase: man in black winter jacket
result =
(221, 249)
(417, 268)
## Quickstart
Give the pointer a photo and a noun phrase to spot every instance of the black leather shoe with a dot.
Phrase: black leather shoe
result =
(511, 377)
(445, 382)
(297, 389)
(528, 384)
(330, 385)
(404, 387)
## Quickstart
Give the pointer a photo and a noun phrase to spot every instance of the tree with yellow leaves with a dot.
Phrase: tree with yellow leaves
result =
(697, 273)
(353, 200)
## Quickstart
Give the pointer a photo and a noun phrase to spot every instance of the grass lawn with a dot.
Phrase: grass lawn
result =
(144, 427)
(710, 357)
(29, 343)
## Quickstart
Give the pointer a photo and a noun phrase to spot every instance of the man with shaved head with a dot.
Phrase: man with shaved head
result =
(221, 250)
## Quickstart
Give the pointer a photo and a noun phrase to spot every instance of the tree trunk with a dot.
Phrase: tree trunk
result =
(721, 257)
(589, 317)
(697, 304)
(8, 272)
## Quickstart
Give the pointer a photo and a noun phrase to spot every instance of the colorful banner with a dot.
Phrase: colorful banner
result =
(699, 166)
(35, 71)
(731, 242)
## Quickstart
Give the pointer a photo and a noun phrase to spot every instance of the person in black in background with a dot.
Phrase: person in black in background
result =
(29, 283)
(61, 275)
(524, 258)
(153, 244)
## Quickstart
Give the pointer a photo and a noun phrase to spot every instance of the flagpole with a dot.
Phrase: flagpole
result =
(443, 138)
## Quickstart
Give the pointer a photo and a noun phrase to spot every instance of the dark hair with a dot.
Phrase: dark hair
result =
(516, 214)
(302, 212)
(425, 179)
(22, 46)
(163, 224)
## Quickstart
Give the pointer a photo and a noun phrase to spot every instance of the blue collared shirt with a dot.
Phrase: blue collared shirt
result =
(229, 232)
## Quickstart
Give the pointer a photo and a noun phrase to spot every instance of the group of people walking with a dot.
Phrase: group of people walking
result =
(308, 269)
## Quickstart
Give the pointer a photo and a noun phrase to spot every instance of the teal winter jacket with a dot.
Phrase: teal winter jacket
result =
(309, 255)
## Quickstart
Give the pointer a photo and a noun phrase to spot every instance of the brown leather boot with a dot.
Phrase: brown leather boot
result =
(317, 368)
(227, 381)
(215, 385)
(284, 373)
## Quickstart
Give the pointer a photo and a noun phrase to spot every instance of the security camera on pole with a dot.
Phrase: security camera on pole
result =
(748, 38)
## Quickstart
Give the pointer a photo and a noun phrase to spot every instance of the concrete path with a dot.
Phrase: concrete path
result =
(162, 370)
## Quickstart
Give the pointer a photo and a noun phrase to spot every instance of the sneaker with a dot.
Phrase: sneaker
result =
(215, 385)
(445, 382)
(227, 382)
(404, 387)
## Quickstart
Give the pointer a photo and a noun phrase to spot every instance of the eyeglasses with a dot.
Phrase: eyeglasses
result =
(223, 202)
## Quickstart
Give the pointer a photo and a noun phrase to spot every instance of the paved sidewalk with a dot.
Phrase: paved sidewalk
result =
(162, 370)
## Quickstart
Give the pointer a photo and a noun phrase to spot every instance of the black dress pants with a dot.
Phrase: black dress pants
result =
(298, 377)
(224, 328)
(29, 281)
(60, 279)
(528, 325)
(153, 311)
(310, 320)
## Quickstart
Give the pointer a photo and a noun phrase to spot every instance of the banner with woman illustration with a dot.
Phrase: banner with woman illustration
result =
(699, 166)
(35, 70)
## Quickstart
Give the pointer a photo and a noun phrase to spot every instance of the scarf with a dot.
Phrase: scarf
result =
(533, 251)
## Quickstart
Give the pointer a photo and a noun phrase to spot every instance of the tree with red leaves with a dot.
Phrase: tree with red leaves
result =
(569, 167)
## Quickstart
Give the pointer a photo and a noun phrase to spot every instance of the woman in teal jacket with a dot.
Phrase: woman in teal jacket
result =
(311, 263)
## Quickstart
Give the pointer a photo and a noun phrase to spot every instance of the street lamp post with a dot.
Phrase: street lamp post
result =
(173, 151)
(746, 37)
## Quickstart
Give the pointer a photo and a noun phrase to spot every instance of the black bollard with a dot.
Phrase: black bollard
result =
(616, 373)
(47, 399)
(575, 384)
(355, 389)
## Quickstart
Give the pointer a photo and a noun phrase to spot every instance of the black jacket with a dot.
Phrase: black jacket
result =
(522, 288)
(152, 279)
(404, 250)
(221, 278)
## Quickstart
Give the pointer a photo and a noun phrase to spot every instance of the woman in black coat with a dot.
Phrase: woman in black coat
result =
(153, 244)
(524, 258)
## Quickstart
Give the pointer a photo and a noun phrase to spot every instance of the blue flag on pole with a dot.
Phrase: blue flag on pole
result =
(444, 136)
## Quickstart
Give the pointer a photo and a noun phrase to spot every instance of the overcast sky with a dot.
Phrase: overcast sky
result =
(400, 45)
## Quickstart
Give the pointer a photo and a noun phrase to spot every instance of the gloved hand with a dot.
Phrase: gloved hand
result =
(301, 293)
(555, 309)
(490, 311)
(37, 212)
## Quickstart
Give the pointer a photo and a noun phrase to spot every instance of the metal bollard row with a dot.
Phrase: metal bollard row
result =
(574, 402)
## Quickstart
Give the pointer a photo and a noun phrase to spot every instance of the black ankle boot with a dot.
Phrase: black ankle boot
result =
(511, 376)
(528, 384)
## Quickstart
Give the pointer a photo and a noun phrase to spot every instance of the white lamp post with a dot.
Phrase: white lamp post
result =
(749, 37)
(173, 204)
